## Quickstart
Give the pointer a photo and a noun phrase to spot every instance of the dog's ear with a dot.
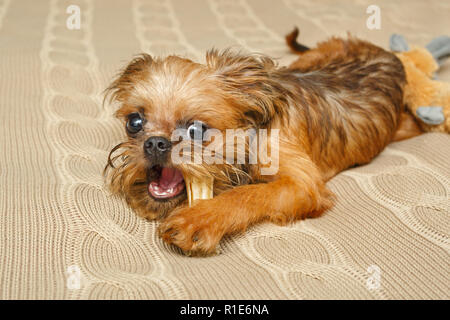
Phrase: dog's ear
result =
(137, 69)
(254, 79)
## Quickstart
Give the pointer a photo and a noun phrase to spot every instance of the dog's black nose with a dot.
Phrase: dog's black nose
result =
(157, 146)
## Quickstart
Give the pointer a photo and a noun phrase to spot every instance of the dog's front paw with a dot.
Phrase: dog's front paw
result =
(196, 230)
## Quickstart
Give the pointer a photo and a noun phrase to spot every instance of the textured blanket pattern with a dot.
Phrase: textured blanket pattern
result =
(387, 236)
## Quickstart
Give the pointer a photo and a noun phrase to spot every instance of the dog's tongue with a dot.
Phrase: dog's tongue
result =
(169, 185)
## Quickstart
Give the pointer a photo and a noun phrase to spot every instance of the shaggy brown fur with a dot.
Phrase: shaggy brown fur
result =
(338, 106)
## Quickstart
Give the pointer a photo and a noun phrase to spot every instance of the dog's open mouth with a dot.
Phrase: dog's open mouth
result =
(168, 184)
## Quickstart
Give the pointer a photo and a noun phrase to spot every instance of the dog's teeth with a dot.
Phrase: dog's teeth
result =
(199, 189)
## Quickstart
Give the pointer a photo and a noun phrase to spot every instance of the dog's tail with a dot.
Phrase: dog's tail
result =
(291, 40)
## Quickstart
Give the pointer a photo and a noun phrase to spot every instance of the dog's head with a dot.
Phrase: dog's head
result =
(171, 106)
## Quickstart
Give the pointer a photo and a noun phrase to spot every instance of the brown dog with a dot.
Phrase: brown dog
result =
(338, 106)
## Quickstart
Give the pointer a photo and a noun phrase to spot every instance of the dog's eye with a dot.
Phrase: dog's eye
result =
(134, 123)
(197, 130)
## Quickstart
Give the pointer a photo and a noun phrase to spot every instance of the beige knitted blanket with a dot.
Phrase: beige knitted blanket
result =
(62, 235)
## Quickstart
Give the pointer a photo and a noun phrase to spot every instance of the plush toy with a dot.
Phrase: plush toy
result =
(427, 99)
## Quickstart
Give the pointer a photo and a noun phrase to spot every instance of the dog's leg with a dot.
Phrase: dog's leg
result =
(297, 192)
(407, 127)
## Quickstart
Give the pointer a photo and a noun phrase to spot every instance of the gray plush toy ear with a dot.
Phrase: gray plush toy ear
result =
(439, 48)
(431, 115)
(398, 43)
